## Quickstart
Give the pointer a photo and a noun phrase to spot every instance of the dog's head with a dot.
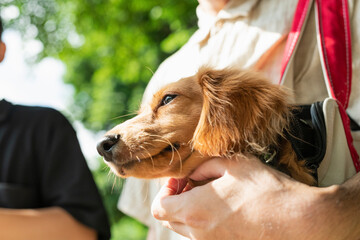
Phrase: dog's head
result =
(214, 113)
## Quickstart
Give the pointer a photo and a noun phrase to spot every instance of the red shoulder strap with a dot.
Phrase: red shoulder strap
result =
(302, 8)
(335, 44)
(335, 40)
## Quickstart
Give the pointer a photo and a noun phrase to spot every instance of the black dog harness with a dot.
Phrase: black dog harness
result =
(307, 136)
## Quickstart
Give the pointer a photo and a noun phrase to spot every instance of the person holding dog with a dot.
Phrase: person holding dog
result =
(46, 188)
(247, 199)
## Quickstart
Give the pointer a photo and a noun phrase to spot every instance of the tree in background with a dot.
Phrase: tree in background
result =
(110, 49)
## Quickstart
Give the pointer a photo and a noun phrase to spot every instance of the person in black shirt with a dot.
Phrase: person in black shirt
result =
(46, 188)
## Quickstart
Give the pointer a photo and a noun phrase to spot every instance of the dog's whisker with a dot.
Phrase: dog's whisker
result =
(146, 191)
(158, 140)
(148, 68)
(158, 137)
(162, 140)
(167, 141)
(146, 143)
(125, 115)
(109, 173)
(172, 153)
(180, 159)
(152, 160)
(105, 167)
(114, 183)
(173, 149)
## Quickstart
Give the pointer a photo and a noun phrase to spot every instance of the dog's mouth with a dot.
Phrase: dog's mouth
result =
(128, 164)
(171, 148)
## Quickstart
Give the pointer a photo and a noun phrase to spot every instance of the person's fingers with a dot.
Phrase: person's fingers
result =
(167, 203)
(174, 186)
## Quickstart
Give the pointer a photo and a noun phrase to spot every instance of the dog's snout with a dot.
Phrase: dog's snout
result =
(106, 145)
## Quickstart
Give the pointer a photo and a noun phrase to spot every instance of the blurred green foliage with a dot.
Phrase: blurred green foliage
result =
(111, 49)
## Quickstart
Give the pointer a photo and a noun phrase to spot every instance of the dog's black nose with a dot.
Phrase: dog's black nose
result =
(106, 145)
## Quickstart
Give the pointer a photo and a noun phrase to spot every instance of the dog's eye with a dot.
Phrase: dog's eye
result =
(167, 99)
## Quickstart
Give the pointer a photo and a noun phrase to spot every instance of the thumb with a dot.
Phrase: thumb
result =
(210, 170)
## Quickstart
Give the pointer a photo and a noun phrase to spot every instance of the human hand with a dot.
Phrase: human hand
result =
(248, 200)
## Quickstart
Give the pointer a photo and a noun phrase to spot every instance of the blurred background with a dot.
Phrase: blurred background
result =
(91, 59)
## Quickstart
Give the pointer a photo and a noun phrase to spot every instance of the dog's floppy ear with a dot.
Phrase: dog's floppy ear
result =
(241, 111)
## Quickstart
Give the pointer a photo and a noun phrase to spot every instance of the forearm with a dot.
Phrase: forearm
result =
(327, 213)
(342, 209)
(47, 223)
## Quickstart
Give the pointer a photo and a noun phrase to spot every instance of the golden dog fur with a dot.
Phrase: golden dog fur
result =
(214, 113)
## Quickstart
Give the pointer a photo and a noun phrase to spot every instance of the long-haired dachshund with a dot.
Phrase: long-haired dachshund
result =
(214, 113)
